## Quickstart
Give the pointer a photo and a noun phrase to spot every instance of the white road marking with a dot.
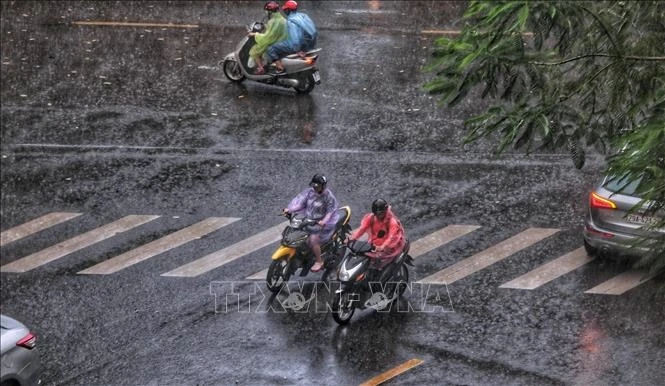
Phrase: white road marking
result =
(436, 239)
(226, 255)
(34, 226)
(550, 271)
(133, 24)
(161, 245)
(489, 256)
(418, 247)
(76, 243)
(621, 283)
(259, 275)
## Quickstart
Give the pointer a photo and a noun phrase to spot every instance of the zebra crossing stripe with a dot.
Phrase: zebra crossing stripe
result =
(489, 256)
(550, 271)
(258, 276)
(161, 245)
(621, 283)
(226, 255)
(418, 247)
(76, 243)
(34, 226)
(439, 238)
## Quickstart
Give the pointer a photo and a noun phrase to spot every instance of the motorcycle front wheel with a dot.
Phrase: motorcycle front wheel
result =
(342, 308)
(233, 71)
(305, 84)
(278, 274)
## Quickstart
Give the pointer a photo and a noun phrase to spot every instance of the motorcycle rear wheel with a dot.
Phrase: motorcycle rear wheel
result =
(403, 279)
(305, 84)
(342, 308)
(397, 283)
(233, 71)
(278, 274)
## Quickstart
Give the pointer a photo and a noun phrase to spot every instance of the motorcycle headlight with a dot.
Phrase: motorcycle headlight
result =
(344, 275)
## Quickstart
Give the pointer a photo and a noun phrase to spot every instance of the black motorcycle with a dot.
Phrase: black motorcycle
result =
(294, 252)
(363, 285)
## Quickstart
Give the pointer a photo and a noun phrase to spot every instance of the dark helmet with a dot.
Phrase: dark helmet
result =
(290, 6)
(271, 6)
(318, 180)
(379, 206)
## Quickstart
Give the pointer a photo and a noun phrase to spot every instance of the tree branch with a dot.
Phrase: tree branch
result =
(629, 57)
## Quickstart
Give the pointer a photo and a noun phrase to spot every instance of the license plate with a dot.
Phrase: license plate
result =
(317, 76)
(643, 220)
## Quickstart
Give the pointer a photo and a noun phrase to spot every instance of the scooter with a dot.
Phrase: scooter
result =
(294, 252)
(363, 286)
(301, 74)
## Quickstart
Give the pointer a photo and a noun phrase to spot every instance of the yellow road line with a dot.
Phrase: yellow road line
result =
(134, 24)
(392, 373)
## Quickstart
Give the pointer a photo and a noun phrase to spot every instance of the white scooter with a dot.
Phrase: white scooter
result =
(299, 73)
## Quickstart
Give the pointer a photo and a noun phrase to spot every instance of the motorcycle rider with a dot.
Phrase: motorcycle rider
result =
(319, 203)
(302, 36)
(385, 232)
(275, 31)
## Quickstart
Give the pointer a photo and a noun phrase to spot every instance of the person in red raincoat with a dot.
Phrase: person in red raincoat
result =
(385, 232)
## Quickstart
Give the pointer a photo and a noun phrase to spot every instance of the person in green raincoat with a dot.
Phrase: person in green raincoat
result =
(275, 31)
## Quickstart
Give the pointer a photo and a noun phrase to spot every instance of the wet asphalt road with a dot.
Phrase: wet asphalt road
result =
(114, 120)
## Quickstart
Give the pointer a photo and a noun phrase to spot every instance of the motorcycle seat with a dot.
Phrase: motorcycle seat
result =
(308, 53)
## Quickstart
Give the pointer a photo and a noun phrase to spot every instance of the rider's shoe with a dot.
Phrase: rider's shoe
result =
(317, 267)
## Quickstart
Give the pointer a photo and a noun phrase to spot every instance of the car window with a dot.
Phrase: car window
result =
(623, 185)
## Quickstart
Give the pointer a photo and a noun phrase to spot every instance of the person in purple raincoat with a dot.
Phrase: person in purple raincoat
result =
(318, 203)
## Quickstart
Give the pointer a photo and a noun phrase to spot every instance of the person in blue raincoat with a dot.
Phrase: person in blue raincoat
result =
(302, 35)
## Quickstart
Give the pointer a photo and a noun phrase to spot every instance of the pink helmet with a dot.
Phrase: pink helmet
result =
(290, 5)
(271, 6)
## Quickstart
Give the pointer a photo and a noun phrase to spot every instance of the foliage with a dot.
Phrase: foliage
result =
(565, 74)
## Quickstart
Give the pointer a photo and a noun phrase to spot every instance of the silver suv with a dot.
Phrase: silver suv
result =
(20, 358)
(611, 228)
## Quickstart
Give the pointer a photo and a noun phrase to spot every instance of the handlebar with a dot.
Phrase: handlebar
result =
(305, 221)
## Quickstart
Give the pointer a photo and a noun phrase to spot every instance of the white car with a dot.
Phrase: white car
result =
(20, 359)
